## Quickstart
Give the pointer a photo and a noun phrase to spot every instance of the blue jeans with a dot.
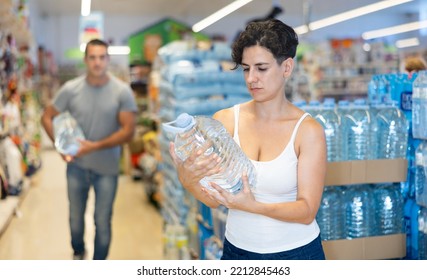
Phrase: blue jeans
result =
(79, 181)
(311, 251)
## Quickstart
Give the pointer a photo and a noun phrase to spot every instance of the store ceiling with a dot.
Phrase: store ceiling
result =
(293, 10)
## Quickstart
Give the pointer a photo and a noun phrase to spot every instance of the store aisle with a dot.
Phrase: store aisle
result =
(40, 230)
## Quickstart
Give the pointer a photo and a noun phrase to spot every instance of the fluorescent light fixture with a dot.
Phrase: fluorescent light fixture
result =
(405, 43)
(219, 14)
(112, 50)
(301, 29)
(394, 30)
(350, 14)
(85, 8)
(118, 50)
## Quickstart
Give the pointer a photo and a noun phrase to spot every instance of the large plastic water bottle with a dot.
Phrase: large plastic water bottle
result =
(342, 109)
(421, 174)
(383, 89)
(331, 217)
(192, 132)
(67, 134)
(359, 211)
(357, 131)
(392, 131)
(373, 89)
(313, 107)
(405, 96)
(408, 186)
(374, 138)
(422, 234)
(419, 106)
(388, 209)
(330, 122)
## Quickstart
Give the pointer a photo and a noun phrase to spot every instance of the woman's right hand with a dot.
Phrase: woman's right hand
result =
(195, 167)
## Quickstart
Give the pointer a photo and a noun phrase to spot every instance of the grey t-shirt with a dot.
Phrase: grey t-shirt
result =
(96, 111)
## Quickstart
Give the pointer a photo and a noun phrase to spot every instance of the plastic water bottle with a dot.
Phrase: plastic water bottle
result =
(67, 133)
(373, 88)
(421, 174)
(388, 209)
(419, 106)
(374, 108)
(383, 89)
(313, 107)
(359, 211)
(330, 122)
(357, 131)
(392, 131)
(422, 234)
(405, 96)
(408, 186)
(330, 217)
(342, 109)
(192, 132)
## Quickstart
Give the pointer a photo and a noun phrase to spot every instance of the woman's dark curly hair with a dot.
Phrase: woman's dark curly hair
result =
(274, 35)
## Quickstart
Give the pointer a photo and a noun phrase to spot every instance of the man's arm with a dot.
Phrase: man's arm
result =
(47, 120)
(121, 136)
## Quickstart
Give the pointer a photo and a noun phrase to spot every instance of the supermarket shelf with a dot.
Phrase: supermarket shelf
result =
(9, 206)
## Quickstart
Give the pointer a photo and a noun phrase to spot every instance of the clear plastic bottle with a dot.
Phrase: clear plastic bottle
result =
(374, 108)
(67, 134)
(330, 217)
(405, 96)
(373, 89)
(330, 122)
(342, 109)
(392, 131)
(408, 186)
(383, 89)
(313, 108)
(358, 131)
(388, 209)
(422, 234)
(419, 106)
(192, 132)
(421, 174)
(359, 211)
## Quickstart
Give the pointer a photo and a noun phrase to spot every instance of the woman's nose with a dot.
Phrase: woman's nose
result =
(251, 77)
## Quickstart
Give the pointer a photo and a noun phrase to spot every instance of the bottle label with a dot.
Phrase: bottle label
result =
(406, 101)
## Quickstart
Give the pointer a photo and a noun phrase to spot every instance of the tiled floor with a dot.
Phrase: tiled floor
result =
(40, 230)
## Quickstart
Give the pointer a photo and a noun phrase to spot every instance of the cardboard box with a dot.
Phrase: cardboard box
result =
(366, 171)
(370, 248)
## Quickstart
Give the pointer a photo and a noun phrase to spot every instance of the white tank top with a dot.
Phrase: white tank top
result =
(276, 182)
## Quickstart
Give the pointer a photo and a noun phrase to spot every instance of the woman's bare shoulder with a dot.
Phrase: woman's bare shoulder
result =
(226, 117)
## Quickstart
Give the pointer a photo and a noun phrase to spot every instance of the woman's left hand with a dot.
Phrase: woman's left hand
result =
(241, 200)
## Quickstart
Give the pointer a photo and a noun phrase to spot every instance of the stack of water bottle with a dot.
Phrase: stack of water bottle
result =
(358, 131)
(197, 82)
(363, 210)
(419, 131)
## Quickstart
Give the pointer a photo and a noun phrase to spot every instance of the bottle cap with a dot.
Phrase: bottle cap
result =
(182, 123)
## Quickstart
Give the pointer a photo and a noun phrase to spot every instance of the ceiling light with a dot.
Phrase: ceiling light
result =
(118, 50)
(85, 8)
(411, 42)
(219, 14)
(394, 30)
(350, 14)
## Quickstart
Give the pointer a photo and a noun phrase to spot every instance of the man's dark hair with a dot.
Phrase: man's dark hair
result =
(96, 42)
(274, 35)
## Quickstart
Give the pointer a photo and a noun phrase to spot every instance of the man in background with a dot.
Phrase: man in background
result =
(104, 107)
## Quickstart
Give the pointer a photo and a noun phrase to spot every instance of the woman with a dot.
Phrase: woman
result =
(287, 146)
